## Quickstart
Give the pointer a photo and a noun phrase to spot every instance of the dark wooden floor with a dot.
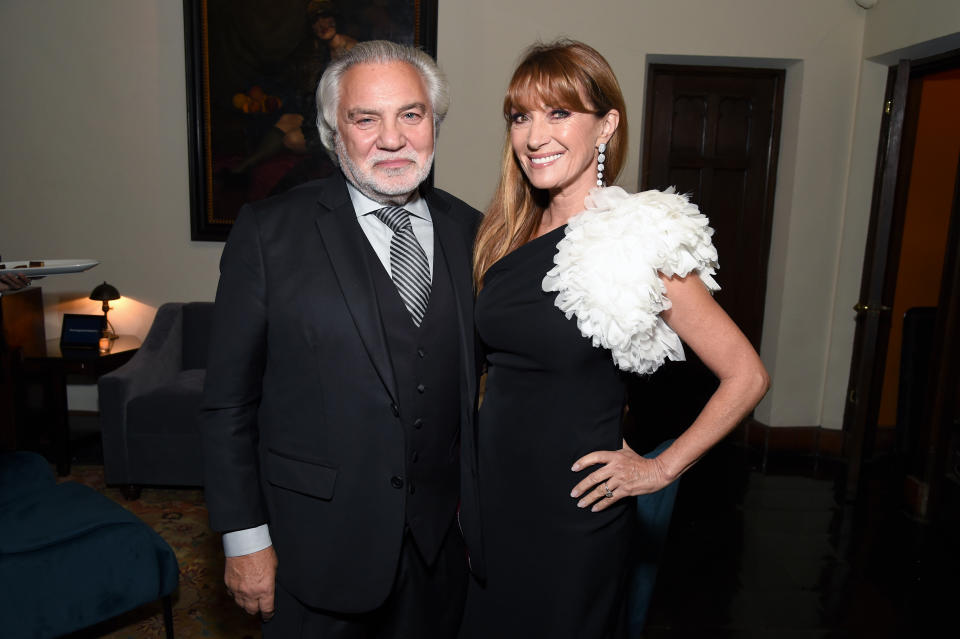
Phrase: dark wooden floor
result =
(780, 554)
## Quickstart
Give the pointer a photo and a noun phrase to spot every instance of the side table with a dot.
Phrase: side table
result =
(53, 366)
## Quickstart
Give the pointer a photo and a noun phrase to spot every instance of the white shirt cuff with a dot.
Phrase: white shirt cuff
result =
(247, 541)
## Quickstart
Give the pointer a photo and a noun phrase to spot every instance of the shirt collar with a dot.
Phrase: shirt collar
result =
(363, 205)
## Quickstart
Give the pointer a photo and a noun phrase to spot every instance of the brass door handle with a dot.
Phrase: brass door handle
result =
(860, 307)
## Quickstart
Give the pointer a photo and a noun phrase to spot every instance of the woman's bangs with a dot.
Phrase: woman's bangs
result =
(534, 86)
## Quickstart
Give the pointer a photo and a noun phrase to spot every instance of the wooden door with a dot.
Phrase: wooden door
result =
(876, 292)
(713, 132)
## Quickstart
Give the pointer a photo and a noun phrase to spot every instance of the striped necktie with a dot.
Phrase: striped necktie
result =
(409, 268)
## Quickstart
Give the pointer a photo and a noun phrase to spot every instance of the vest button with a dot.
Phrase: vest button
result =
(418, 423)
(420, 353)
(415, 456)
(396, 482)
(395, 409)
(421, 388)
(411, 488)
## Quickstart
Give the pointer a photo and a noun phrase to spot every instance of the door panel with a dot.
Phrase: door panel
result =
(873, 319)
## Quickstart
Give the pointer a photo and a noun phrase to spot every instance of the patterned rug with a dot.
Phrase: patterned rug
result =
(201, 607)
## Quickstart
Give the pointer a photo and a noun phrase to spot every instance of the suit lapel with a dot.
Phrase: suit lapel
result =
(450, 240)
(344, 242)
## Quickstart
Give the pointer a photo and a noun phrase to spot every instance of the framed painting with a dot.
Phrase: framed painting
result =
(252, 73)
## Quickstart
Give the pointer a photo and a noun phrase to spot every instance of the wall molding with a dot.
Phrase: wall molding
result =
(797, 440)
(802, 440)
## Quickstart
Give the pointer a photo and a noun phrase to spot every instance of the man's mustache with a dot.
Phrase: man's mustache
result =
(390, 157)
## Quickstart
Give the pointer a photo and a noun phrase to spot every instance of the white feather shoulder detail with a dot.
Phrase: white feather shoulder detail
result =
(607, 264)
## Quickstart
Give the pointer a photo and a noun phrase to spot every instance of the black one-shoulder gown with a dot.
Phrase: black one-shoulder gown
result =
(553, 570)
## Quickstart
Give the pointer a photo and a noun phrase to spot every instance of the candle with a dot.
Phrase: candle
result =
(104, 344)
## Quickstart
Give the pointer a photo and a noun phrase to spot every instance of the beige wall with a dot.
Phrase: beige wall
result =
(855, 219)
(819, 42)
(94, 153)
(894, 29)
(93, 132)
(913, 26)
(95, 148)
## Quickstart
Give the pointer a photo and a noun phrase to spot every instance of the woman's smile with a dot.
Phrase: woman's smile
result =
(541, 160)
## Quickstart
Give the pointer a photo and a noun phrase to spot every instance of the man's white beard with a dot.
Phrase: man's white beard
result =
(371, 186)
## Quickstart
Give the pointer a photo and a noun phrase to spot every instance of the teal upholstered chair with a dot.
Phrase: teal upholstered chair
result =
(70, 557)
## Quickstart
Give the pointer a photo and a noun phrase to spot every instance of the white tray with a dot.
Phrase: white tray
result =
(50, 267)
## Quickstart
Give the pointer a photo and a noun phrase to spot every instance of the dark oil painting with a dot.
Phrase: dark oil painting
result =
(252, 73)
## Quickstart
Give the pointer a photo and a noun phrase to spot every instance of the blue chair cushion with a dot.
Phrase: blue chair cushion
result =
(70, 558)
(22, 473)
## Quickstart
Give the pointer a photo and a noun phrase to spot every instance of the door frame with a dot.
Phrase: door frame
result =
(881, 259)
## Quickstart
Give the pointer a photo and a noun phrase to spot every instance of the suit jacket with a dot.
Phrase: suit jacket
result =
(299, 419)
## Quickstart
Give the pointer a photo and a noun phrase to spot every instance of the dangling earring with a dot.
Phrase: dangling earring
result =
(600, 159)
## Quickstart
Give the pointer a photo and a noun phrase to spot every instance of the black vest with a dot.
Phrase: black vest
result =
(427, 368)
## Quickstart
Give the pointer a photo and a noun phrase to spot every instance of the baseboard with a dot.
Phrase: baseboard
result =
(804, 440)
(796, 440)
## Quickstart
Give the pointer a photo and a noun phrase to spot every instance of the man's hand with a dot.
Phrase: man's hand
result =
(251, 580)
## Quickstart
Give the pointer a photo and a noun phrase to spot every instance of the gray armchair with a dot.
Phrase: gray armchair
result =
(149, 406)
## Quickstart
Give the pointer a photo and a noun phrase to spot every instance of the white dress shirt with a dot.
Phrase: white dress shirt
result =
(250, 540)
(379, 234)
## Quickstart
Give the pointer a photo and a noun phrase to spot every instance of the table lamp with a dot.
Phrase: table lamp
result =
(104, 293)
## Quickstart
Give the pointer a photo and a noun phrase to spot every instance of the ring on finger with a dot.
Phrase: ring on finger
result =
(606, 491)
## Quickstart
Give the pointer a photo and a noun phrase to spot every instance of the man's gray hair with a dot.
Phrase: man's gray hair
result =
(377, 52)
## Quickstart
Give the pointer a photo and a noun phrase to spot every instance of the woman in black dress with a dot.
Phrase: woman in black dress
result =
(578, 283)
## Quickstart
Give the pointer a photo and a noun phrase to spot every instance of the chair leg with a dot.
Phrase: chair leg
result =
(168, 616)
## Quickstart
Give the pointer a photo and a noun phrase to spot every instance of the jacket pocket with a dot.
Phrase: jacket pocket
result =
(306, 476)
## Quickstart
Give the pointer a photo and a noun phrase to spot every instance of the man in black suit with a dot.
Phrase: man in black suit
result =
(342, 373)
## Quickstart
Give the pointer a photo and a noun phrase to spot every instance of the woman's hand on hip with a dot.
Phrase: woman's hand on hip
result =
(622, 473)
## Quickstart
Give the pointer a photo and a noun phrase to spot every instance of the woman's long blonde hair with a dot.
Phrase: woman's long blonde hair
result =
(563, 74)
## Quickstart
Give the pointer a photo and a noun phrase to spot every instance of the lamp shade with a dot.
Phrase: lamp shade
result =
(105, 292)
